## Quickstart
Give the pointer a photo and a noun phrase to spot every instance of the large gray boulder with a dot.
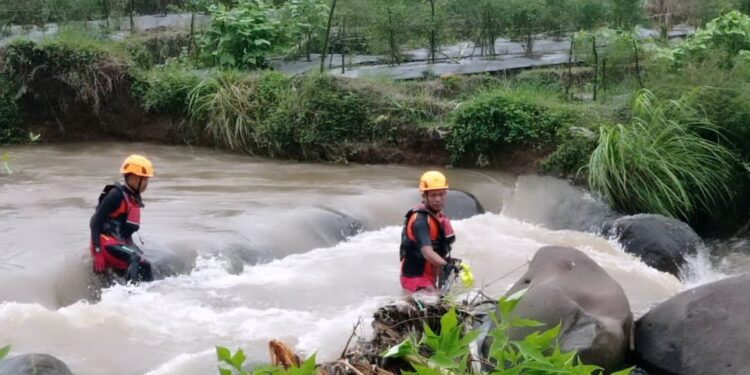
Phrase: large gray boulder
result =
(34, 364)
(660, 242)
(565, 286)
(462, 205)
(705, 330)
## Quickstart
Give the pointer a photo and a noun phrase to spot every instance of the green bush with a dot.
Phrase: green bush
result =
(492, 120)
(726, 36)
(571, 158)
(660, 164)
(542, 78)
(10, 118)
(242, 36)
(164, 88)
(62, 69)
(317, 120)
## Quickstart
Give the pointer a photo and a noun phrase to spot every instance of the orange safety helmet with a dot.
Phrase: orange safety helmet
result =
(432, 180)
(137, 165)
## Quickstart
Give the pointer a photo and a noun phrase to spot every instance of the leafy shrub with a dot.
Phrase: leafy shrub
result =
(497, 118)
(727, 36)
(572, 155)
(241, 36)
(164, 88)
(316, 120)
(83, 72)
(660, 164)
(448, 350)
(10, 119)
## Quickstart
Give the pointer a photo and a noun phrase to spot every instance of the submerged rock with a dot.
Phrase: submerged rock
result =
(660, 242)
(34, 364)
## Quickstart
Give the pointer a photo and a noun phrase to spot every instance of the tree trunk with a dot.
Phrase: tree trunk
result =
(392, 52)
(343, 45)
(433, 40)
(637, 64)
(308, 41)
(530, 42)
(132, 22)
(596, 64)
(105, 11)
(569, 82)
(325, 41)
(193, 44)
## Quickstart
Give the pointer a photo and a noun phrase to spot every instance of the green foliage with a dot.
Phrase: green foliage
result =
(306, 21)
(727, 36)
(164, 88)
(615, 52)
(5, 349)
(494, 119)
(72, 71)
(660, 164)
(572, 155)
(448, 351)
(231, 364)
(232, 106)
(523, 20)
(242, 36)
(627, 13)
(319, 117)
(10, 118)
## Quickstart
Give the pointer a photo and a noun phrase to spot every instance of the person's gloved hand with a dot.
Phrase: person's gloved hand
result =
(449, 268)
(454, 261)
(100, 263)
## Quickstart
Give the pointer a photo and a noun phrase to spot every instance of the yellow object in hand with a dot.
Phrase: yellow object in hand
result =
(467, 277)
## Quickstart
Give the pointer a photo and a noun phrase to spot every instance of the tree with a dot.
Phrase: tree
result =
(589, 14)
(390, 23)
(307, 21)
(627, 13)
(328, 35)
(523, 20)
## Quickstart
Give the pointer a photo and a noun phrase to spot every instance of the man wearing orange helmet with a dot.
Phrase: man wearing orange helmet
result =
(427, 237)
(117, 217)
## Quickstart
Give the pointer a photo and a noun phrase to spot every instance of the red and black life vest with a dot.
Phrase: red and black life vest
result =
(126, 220)
(413, 263)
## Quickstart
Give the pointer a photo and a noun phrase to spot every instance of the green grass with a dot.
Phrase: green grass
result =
(660, 164)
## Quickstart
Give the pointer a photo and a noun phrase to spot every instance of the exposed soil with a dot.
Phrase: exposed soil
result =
(119, 117)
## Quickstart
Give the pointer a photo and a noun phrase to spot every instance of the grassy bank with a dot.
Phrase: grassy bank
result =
(651, 127)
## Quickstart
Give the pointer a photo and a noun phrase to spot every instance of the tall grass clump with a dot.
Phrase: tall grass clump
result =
(660, 164)
(232, 106)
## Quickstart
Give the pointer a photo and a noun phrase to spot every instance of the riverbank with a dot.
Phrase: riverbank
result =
(629, 114)
(95, 93)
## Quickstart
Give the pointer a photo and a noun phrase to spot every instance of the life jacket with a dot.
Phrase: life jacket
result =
(126, 220)
(413, 263)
